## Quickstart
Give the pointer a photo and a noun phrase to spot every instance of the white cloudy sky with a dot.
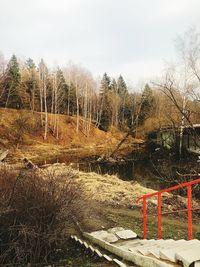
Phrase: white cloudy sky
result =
(131, 37)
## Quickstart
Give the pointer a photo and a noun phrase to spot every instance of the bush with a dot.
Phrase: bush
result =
(22, 126)
(35, 208)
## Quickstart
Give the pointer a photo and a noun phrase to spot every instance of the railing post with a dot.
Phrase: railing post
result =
(144, 218)
(159, 210)
(189, 206)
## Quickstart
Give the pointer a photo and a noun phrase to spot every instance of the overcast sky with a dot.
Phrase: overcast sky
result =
(131, 37)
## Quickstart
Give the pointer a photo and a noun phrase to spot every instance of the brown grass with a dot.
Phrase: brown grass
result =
(20, 131)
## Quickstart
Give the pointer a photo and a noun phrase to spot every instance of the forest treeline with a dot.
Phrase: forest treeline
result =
(171, 100)
(72, 91)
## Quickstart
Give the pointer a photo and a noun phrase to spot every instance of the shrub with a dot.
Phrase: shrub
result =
(35, 208)
(22, 125)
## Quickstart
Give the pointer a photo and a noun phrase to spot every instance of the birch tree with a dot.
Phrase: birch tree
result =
(181, 81)
(43, 74)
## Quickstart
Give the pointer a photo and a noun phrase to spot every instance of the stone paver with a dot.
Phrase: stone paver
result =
(126, 234)
(104, 235)
(115, 229)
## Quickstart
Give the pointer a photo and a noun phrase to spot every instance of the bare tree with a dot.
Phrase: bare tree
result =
(84, 93)
(181, 82)
(43, 96)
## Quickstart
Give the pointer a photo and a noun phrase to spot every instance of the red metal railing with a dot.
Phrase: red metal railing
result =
(159, 207)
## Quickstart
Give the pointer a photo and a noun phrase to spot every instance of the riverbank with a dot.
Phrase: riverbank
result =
(112, 202)
(22, 134)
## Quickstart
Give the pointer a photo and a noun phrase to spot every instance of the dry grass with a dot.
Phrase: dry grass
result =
(30, 143)
(110, 189)
(107, 188)
(67, 128)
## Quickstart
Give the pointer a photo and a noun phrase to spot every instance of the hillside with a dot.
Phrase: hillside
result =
(22, 134)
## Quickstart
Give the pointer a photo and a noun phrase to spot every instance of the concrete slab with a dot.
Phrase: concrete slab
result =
(127, 244)
(134, 257)
(170, 253)
(189, 256)
(144, 250)
(155, 251)
(107, 257)
(142, 244)
(119, 263)
(115, 229)
(126, 234)
(99, 254)
(104, 235)
(80, 241)
(152, 246)
(85, 244)
(91, 248)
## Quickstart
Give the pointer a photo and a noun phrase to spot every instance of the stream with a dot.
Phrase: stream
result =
(127, 171)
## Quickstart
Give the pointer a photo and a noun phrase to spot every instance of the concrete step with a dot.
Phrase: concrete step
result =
(155, 251)
(151, 252)
(170, 253)
(154, 247)
(97, 252)
(190, 255)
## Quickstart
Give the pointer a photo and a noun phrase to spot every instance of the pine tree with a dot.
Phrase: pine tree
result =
(11, 85)
(105, 83)
(147, 105)
(62, 89)
(71, 99)
(31, 82)
(30, 64)
(121, 86)
(123, 93)
(105, 110)
(113, 86)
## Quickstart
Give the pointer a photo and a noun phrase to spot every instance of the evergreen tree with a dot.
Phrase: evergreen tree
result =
(11, 96)
(105, 112)
(113, 86)
(105, 83)
(31, 83)
(71, 99)
(62, 89)
(147, 105)
(121, 86)
(123, 93)
(30, 64)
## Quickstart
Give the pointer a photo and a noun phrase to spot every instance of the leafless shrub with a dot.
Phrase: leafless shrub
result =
(171, 172)
(24, 124)
(35, 208)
